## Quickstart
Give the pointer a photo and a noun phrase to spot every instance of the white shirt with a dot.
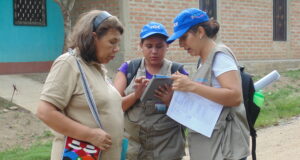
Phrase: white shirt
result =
(222, 63)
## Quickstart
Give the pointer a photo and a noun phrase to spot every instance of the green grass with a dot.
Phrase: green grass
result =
(46, 134)
(294, 74)
(281, 103)
(275, 111)
(40, 151)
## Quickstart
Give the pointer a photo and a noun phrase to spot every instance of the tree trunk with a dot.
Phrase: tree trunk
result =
(66, 8)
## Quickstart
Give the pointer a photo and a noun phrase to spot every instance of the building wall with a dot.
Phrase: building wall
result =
(246, 27)
(294, 28)
(81, 6)
(142, 12)
(29, 48)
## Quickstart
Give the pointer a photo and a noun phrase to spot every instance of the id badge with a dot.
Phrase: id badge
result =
(161, 108)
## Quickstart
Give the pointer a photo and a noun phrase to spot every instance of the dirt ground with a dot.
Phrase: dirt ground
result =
(20, 128)
(279, 142)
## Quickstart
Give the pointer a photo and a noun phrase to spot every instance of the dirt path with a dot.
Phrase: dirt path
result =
(20, 128)
(279, 142)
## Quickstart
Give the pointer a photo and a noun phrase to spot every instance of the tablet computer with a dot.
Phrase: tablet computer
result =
(154, 83)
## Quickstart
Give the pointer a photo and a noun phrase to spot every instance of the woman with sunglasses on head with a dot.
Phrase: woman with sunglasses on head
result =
(64, 108)
(152, 134)
(217, 79)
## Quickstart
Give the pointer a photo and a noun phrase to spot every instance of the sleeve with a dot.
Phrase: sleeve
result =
(223, 63)
(124, 68)
(60, 84)
(183, 71)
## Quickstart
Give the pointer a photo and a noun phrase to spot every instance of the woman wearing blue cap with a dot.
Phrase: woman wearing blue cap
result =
(152, 134)
(217, 79)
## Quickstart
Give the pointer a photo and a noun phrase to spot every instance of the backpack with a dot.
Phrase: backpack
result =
(252, 110)
(134, 65)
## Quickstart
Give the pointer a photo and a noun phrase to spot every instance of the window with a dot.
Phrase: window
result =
(279, 20)
(30, 12)
(210, 7)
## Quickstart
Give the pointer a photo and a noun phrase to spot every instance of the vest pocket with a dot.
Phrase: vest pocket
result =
(131, 128)
(134, 113)
(168, 141)
(164, 126)
(233, 143)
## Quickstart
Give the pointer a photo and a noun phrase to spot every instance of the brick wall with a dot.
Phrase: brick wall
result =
(294, 26)
(163, 11)
(80, 6)
(246, 27)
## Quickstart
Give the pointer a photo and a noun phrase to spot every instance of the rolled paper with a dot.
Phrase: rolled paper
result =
(266, 80)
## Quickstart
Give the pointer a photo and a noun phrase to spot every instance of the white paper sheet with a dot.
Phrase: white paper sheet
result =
(194, 112)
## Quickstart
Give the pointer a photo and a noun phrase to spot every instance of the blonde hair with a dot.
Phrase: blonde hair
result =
(82, 38)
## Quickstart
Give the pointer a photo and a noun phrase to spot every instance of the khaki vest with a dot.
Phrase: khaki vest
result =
(230, 138)
(152, 134)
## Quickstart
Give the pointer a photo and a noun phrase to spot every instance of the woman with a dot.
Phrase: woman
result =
(152, 134)
(220, 82)
(63, 107)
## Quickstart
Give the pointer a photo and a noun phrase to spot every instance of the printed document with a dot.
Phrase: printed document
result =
(194, 112)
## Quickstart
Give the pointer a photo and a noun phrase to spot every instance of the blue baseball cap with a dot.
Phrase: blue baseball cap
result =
(185, 20)
(153, 28)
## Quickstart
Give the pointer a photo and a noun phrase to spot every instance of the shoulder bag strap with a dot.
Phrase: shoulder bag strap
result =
(88, 94)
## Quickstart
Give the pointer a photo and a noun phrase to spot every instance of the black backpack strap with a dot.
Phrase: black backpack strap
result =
(176, 67)
(198, 63)
(252, 110)
(134, 65)
(246, 82)
(132, 69)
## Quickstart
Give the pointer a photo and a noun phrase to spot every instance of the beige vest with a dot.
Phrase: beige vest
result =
(152, 134)
(230, 138)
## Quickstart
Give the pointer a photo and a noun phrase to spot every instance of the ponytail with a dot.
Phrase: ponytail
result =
(211, 28)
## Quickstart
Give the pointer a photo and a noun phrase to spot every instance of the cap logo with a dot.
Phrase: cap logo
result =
(197, 15)
(175, 24)
(155, 27)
